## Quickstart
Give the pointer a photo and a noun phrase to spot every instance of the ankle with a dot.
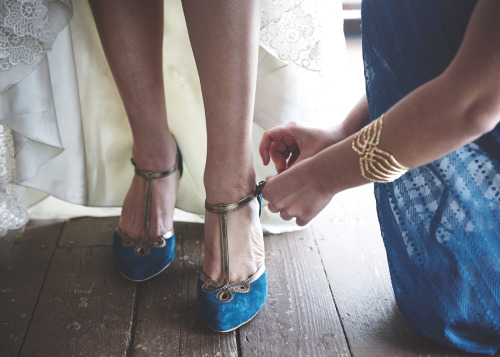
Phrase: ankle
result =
(245, 243)
(156, 155)
(228, 188)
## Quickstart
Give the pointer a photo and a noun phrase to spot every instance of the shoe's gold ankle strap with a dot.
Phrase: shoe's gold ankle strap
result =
(222, 207)
(225, 289)
(146, 242)
(150, 174)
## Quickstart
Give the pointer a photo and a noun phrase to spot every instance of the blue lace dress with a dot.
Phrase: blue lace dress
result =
(440, 222)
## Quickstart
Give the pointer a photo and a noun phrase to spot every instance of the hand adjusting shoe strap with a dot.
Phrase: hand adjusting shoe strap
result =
(225, 289)
(145, 243)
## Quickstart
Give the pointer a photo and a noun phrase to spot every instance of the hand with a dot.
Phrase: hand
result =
(289, 144)
(301, 192)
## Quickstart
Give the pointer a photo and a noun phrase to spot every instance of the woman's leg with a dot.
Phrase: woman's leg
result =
(224, 38)
(132, 37)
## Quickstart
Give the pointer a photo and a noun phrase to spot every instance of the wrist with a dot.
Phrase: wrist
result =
(324, 173)
(334, 134)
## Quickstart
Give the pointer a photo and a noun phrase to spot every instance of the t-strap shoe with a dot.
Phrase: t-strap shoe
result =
(225, 306)
(143, 258)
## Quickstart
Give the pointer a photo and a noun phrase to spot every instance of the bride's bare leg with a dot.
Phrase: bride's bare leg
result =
(132, 36)
(224, 38)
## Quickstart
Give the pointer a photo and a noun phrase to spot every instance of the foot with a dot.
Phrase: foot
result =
(163, 196)
(245, 238)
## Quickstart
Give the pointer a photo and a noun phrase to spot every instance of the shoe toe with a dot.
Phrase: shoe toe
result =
(141, 268)
(227, 316)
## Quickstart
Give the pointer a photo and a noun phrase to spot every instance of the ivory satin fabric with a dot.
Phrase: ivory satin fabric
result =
(79, 150)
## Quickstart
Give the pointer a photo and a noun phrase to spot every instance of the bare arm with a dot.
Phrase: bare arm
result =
(446, 113)
(357, 118)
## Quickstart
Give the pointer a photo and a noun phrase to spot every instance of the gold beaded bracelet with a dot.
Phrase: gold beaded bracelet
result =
(376, 165)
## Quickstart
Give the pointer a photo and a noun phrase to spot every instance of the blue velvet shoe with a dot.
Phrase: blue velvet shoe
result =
(143, 258)
(225, 306)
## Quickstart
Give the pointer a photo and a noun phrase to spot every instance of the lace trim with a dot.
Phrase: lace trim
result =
(13, 210)
(24, 31)
(291, 30)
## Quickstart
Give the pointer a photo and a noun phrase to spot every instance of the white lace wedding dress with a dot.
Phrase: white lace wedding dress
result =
(63, 129)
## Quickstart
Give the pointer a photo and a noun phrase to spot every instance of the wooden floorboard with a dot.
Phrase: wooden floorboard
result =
(161, 310)
(24, 260)
(85, 307)
(329, 294)
(89, 232)
(167, 322)
(299, 318)
(197, 339)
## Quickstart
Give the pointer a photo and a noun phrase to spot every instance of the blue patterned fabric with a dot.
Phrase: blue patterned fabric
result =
(440, 222)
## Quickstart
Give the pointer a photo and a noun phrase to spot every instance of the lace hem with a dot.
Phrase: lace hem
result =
(25, 31)
(13, 210)
(291, 30)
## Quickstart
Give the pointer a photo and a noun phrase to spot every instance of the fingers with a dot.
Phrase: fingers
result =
(277, 144)
(265, 144)
(288, 198)
(272, 147)
(301, 221)
(279, 154)
(271, 208)
(285, 216)
(283, 213)
(294, 157)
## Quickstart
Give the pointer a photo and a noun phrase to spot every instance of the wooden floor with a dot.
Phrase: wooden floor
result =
(329, 294)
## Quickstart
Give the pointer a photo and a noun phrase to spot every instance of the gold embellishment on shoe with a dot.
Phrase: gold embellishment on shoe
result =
(145, 243)
(375, 164)
(225, 289)
(143, 247)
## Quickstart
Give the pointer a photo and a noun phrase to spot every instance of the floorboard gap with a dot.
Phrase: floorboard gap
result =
(186, 308)
(133, 326)
(333, 298)
(43, 284)
(238, 343)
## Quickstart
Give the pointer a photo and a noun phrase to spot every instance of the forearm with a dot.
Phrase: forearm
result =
(422, 128)
(444, 114)
(357, 118)
(414, 133)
